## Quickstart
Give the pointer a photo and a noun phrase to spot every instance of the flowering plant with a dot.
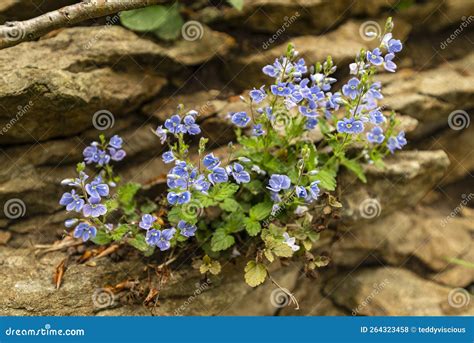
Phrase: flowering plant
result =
(271, 194)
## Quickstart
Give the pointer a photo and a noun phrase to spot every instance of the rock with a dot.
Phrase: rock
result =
(95, 68)
(430, 96)
(343, 44)
(406, 178)
(388, 291)
(433, 240)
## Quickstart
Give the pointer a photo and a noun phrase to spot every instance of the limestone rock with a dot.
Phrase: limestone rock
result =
(388, 291)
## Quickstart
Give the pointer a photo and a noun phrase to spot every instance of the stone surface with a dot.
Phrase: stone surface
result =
(391, 291)
(406, 178)
(434, 238)
(95, 68)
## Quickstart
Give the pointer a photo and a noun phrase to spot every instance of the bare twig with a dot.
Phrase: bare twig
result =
(13, 33)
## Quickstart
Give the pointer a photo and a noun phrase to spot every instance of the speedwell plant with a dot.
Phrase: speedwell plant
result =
(270, 196)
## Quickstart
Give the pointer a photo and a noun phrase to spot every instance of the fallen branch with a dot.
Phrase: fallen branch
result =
(13, 33)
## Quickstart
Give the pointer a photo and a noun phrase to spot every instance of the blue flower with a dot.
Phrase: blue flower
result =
(186, 229)
(147, 221)
(258, 95)
(276, 69)
(290, 241)
(375, 135)
(278, 182)
(72, 201)
(190, 125)
(376, 117)
(218, 175)
(333, 100)
(239, 174)
(301, 192)
(240, 119)
(71, 222)
(374, 90)
(168, 157)
(280, 89)
(97, 189)
(198, 182)
(388, 64)
(174, 125)
(310, 110)
(116, 142)
(398, 142)
(310, 123)
(375, 57)
(117, 155)
(300, 66)
(84, 231)
(161, 133)
(210, 161)
(179, 198)
(351, 88)
(392, 45)
(160, 239)
(314, 189)
(94, 208)
(258, 130)
(350, 125)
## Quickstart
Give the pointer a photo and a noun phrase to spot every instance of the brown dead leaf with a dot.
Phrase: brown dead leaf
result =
(111, 249)
(85, 256)
(128, 284)
(5, 237)
(151, 296)
(59, 273)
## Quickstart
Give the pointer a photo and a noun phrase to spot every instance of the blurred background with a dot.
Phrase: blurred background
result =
(414, 256)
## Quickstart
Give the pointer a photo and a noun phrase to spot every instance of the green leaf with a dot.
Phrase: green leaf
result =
(355, 167)
(111, 204)
(120, 231)
(139, 242)
(222, 191)
(327, 178)
(221, 240)
(255, 273)
(101, 238)
(144, 19)
(321, 261)
(184, 212)
(171, 26)
(261, 210)
(229, 205)
(148, 207)
(238, 4)
(282, 249)
(255, 186)
(253, 227)
(126, 195)
(204, 199)
(80, 167)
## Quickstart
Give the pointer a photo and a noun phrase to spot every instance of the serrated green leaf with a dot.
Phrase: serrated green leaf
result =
(111, 204)
(261, 210)
(282, 249)
(327, 178)
(355, 167)
(255, 186)
(221, 240)
(268, 254)
(126, 195)
(119, 232)
(321, 261)
(144, 19)
(222, 191)
(252, 227)
(229, 205)
(101, 238)
(139, 243)
(255, 273)
(148, 207)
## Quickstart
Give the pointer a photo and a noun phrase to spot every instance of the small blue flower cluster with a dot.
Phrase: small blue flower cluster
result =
(86, 197)
(279, 183)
